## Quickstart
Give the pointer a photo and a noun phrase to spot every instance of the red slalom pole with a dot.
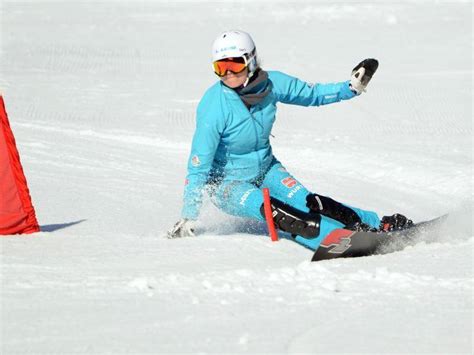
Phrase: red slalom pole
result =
(269, 215)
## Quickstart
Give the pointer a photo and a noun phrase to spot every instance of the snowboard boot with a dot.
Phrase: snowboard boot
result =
(291, 220)
(395, 223)
(332, 209)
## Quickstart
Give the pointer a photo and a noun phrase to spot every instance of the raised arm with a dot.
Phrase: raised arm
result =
(291, 90)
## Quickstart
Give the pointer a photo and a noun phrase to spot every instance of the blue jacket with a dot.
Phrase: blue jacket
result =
(232, 142)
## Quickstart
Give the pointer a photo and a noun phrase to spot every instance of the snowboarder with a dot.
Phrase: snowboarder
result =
(231, 156)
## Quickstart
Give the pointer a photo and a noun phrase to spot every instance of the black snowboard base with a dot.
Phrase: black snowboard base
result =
(343, 243)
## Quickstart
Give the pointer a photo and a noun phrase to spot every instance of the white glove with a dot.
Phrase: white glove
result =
(183, 228)
(362, 74)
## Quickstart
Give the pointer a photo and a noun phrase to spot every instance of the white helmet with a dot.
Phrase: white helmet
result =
(235, 43)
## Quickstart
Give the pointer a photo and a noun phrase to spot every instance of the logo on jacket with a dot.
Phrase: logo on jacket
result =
(245, 196)
(195, 161)
(294, 191)
(289, 182)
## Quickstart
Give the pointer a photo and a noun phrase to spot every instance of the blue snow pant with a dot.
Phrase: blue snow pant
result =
(244, 199)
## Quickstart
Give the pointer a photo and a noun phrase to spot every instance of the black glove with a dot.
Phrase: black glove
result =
(362, 74)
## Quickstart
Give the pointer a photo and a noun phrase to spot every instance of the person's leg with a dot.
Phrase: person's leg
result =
(368, 217)
(238, 198)
(284, 187)
(244, 199)
(287, 189)
(351, 217)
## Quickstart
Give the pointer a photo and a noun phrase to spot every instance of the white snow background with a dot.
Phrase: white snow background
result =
(101, 97)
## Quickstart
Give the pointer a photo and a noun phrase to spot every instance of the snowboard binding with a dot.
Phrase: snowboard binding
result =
(395, 222)
(292, 220)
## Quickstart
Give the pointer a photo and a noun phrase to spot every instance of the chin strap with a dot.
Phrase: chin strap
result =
(249, 77)
(252, 65)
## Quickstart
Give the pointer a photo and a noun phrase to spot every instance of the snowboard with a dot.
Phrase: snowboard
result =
(344, 243)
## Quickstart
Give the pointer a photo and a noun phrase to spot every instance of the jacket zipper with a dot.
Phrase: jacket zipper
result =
(256, 141)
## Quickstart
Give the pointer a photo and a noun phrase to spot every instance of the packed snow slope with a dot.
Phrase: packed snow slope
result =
(101, 97)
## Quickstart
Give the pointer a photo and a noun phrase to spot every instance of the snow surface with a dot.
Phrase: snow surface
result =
(101, 97)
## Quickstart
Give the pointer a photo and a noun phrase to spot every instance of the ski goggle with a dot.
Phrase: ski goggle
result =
(234, 65)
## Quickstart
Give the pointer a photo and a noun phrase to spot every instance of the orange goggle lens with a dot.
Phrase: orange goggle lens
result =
(235, 65)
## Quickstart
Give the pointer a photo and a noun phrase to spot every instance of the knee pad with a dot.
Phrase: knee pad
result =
(332, 209)
(292, 220)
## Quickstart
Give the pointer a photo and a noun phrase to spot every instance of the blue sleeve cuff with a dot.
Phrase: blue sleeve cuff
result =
(189, 212)
(346, 92)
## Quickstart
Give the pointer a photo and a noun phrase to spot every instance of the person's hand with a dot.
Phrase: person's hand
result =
(362, 74)
(183, 228)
